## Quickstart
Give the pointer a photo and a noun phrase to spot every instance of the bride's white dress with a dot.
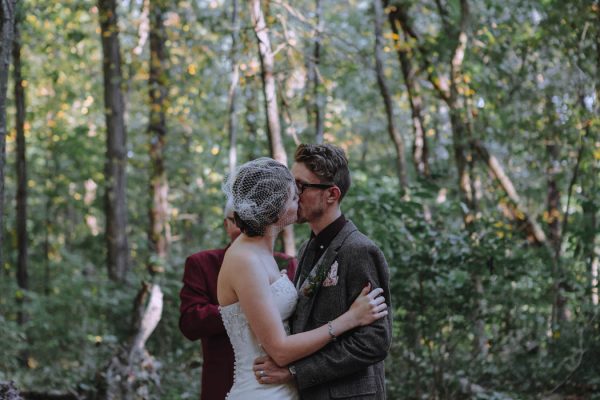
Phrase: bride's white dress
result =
(246, 347)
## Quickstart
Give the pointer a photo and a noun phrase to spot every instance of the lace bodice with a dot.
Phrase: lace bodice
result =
(246, 347)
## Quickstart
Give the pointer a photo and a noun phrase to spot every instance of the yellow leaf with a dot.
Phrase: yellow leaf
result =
(32, 363)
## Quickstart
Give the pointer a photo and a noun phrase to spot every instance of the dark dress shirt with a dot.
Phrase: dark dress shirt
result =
(317, 244)
(324, 238)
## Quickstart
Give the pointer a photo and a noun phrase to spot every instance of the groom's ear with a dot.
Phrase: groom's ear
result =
(333, 195)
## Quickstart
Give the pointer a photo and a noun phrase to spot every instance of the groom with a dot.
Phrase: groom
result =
(334, 265)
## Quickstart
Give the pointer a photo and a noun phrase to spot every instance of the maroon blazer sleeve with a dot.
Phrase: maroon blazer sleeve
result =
(290, 264)
(199, 311)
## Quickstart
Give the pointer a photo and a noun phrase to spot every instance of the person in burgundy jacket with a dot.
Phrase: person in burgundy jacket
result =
(199, 313)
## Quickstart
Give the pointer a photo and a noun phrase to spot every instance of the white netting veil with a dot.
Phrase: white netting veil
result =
(259, 191)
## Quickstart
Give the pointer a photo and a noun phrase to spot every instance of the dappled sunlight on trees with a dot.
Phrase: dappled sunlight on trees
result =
(472, 131)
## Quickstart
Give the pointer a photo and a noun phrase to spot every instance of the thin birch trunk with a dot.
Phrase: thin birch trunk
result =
(267, 62)
(316, 105)
(269, 90)
(251, 114)
(233, 88)
(160, 231)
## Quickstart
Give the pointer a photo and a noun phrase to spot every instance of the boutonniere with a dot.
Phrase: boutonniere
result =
(328, 277)
(332, 276)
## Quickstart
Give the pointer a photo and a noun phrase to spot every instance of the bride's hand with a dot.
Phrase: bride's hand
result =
(369, 306)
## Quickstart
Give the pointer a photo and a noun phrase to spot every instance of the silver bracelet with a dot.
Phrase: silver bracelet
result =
(331, 332)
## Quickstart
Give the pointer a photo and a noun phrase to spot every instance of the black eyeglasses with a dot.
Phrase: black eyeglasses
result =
(301, 186)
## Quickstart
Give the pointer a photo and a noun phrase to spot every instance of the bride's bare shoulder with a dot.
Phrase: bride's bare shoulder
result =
(241, 259)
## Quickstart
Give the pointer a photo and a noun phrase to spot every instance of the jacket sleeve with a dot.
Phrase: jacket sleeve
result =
(291, 268)
(198, 317)
(363, 346)
(289, 263)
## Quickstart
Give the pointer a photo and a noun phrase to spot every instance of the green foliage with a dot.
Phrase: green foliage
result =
(530, 68)
(434, 263)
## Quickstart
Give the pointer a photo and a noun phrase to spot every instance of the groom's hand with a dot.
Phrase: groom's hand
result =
(267, 372)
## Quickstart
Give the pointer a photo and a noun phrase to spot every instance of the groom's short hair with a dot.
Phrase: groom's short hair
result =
(328, 162)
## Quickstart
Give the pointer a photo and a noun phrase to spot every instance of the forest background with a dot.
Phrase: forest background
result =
(472, 133)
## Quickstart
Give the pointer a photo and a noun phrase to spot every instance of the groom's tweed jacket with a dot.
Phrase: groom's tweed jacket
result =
(351, 367)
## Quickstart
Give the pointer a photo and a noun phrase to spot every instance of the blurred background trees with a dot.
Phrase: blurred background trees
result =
(472, 130)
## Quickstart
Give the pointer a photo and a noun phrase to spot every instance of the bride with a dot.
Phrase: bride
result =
(255, 299)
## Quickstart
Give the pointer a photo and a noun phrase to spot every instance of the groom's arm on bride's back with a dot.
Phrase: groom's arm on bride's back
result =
(363, 346)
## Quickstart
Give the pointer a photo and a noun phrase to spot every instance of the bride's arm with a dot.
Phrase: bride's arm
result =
(251, 285)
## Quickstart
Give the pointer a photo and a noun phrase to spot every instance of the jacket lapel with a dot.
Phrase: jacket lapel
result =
(307, 303)
(301, 264)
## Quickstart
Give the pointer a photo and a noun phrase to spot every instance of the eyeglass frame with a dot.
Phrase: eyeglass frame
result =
(301, 186)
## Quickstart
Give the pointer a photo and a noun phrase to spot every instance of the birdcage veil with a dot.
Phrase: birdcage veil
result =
(259, 191)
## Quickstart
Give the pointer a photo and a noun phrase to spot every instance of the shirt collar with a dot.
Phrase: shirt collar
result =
(326, 236)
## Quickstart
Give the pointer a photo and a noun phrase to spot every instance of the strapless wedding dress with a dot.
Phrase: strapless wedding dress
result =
(246, 347)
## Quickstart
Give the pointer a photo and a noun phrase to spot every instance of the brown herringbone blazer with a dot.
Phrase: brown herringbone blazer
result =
(351, 367)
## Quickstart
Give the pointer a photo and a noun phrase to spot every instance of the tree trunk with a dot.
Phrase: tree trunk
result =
(532, 228)
(48, 215)
(420, 150)
(22, 269)
(553, 217)
(387, 98)
(7, 21)
(462, 143)
(461, 135)
(589, 188)
(452, 91)
(133, 373)
(590, 209)
(251, 115)
(233, 88)
(316, 104)
(116, 152)
(160, 232)
(267, 63)
(449, 90)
